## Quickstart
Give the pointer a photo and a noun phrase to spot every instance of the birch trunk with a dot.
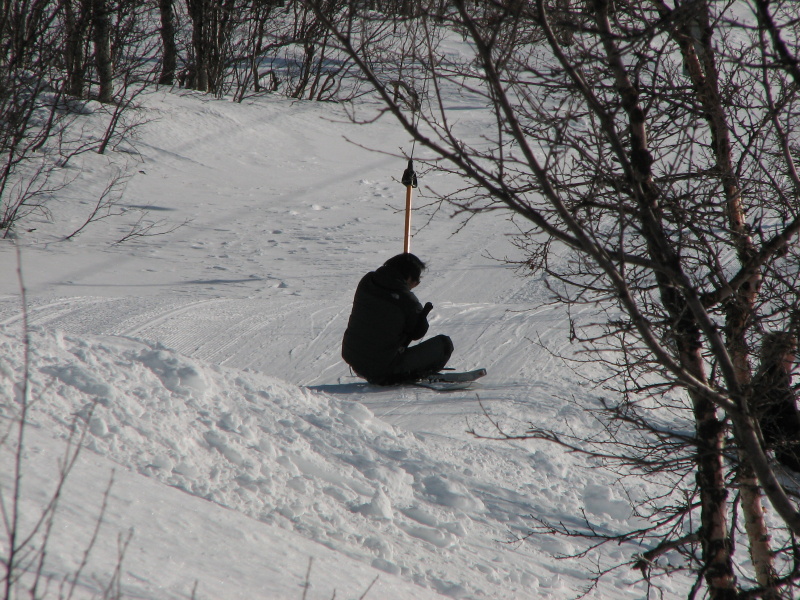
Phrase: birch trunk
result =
(714, 534)
(694, 39)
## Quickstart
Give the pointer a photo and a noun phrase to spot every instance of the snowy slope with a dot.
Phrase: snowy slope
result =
(205, 364)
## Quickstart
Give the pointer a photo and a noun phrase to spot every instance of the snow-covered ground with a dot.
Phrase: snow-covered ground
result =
(205, 365)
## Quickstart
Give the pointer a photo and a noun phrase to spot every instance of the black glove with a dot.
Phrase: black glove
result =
(421, 326)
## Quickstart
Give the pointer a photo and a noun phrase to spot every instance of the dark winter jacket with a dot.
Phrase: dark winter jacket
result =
(775, 406)
(774, 403)
(386, 317)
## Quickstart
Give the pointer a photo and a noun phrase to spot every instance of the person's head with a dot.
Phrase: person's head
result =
(408, 265)
(779, 348)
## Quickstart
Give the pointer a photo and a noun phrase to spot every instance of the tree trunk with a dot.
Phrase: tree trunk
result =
(76, 22)
(199, 15)
(101, 35)
(169, 52)
(714, 535)
(694, 38)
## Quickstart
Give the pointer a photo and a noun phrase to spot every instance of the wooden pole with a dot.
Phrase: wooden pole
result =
(407, 237)
(410, 181)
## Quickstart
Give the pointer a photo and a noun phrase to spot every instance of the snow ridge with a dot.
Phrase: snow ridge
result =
(316, 465)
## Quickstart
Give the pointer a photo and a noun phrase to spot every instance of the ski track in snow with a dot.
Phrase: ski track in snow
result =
(209, 361)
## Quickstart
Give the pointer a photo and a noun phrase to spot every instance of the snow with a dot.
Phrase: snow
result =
(204, 367)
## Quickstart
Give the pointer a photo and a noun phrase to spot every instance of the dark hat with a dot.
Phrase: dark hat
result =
(408, 265)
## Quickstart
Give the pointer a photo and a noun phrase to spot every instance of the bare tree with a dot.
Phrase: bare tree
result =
(76, 21)
(647, 152)
(169, 47)
(101, 37)
(46, 78)
(213, 23)
(32, 89)
(258, 39)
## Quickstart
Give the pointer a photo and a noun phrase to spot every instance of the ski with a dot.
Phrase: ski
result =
(456, 376)
(444, 386)
(442, 382)
(450, 380)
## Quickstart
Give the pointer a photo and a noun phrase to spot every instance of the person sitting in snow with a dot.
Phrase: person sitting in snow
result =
(774, 400)
(385, 319)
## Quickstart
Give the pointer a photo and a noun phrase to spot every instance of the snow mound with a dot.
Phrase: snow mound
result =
(322, 467)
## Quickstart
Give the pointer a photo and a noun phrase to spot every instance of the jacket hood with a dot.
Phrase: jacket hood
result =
(390, 278)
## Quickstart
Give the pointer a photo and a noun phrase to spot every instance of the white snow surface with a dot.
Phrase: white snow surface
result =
(204, 366)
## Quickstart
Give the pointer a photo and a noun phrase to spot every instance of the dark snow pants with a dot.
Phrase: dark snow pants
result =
(416, 362)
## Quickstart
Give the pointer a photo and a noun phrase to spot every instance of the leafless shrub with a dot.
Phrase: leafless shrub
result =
(24, 548)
